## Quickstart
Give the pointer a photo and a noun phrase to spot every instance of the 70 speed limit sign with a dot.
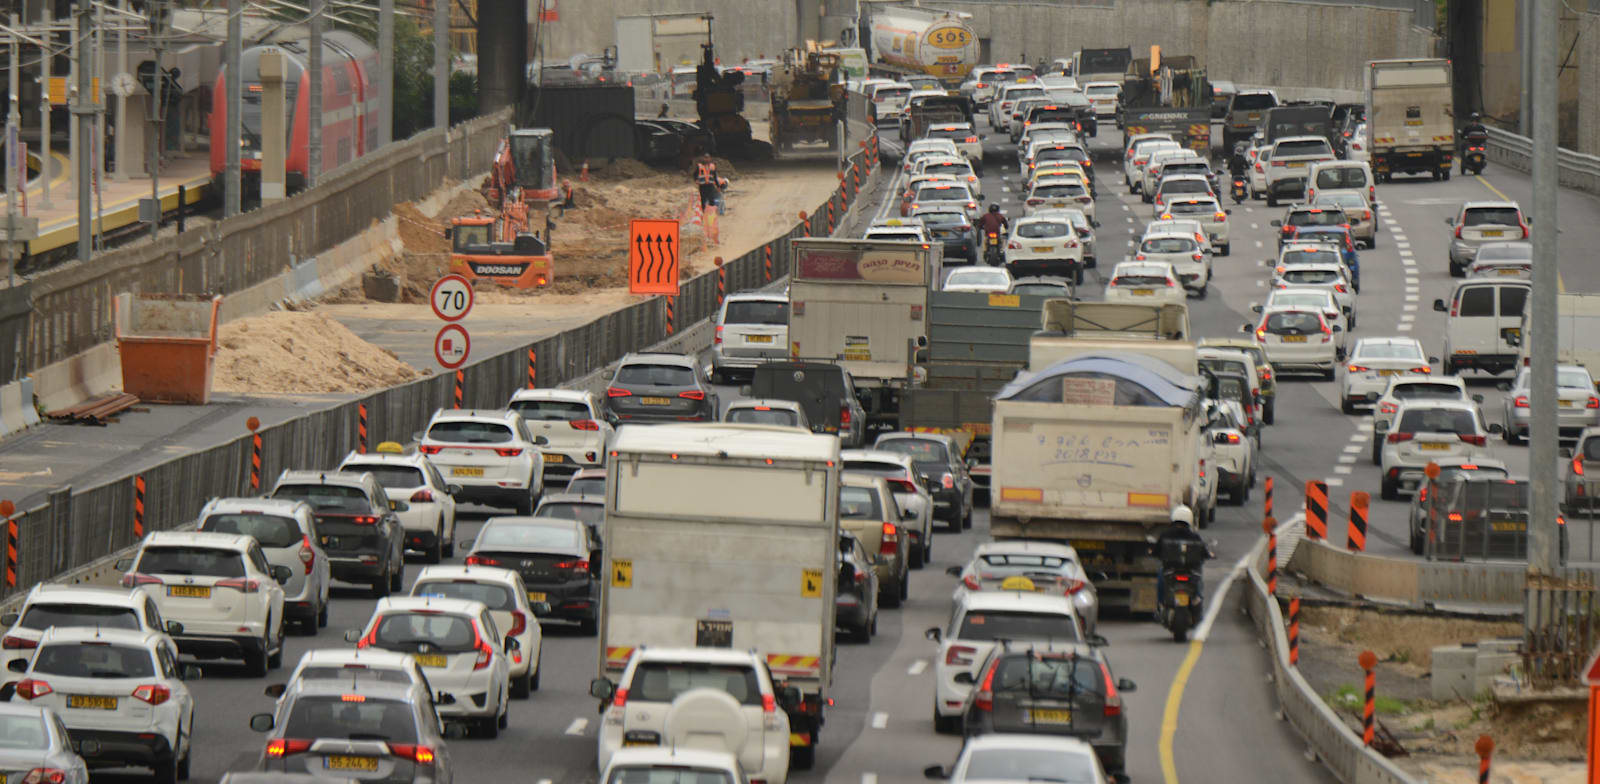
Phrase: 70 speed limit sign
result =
(451, 298)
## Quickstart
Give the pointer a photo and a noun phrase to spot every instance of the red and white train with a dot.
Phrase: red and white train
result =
(349, 118)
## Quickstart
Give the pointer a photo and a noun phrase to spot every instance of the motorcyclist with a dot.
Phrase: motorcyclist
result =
(1473, 129)
(1181, 529)
(1238, 163)
(993, 222)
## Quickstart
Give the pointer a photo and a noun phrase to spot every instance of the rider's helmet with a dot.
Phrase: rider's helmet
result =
(1240, 147)
(1183, 515)
(994, 208)
(1475, 116)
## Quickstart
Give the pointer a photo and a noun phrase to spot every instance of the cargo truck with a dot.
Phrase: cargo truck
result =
(1101, 65)
(1175, 99)
(1101, 438)
(726, 536)
(861, 304)
(656, 43)
(1410, 117)
(1577, 332)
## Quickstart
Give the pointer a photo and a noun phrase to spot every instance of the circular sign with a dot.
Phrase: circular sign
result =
(451, 346)
(451, 298)
(949, 38)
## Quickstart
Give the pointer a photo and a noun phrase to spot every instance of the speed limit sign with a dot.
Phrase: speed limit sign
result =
(451, 298)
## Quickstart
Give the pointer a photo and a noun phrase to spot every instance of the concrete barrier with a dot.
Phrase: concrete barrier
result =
(17, 411)
(1410, 581)
(78, 377)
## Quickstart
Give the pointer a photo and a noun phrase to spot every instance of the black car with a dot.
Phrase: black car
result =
(558, 559)
(1306, 215)
(656, 388)
(956, 231)
(945, 475)
(588, 509)
(855, 603)
(360, 531)
(823, 389)
(654, 142)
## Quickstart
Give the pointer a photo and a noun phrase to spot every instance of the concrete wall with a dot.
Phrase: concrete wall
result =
(1577, 54)
(742, 28)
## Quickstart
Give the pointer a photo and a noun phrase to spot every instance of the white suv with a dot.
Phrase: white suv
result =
(491, 455)
(428, 520)
(459, 647)
(288, 535)
(979, 621)
(1425, 431)
(667, 696)
(223, 590)
(122, 689)
(1288, 164)
(574, 425)
(506, 596)
(51, 605)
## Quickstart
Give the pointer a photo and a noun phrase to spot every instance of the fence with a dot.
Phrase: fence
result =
(72, 528)
(72, 304)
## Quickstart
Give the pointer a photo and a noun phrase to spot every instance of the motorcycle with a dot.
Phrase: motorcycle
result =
(1241, 190)
(991, 251)
(1474, 156)
(1181, 598)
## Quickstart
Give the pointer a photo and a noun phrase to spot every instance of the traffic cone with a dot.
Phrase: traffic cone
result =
(583, 175)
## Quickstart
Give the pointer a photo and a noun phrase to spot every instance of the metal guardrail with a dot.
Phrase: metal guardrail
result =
(1576, 170)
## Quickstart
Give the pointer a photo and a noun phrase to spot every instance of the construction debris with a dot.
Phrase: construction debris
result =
(95, 411)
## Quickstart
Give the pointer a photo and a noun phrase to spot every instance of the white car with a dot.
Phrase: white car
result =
(1373, 361)
(955, 167)
(1051, 569)
(1104, 96)
(1412, 387)
(1334, 278)
(347, 663)
(1137, 156)
(982, 619)
(459, 647)
(924, 147)
(221, 588)
(1006, 98)
(752, 327)
(1151, 176)
(1007, 757)
(1359, 149)
(39, 747)
(948, 195)
(123, 689)
(646, 764)
(1288, 163)
(491, 455)
(1232, 450)
(52, 605)
(1058, 193)
(1043, 246)
(897, 229)
(1298, 339)
(981, 279)
(887, 101)
(1045, 152)
(289, 537)
(700, 697)
(1257, 154)
(1425, 431)
(965, 138)
(1172, 186)
(1313, 298)
(1189, 260)
(573, 423)
(429, 517)
(503, 592)
(1206, 211)
(1176, 225)
(1147, 282)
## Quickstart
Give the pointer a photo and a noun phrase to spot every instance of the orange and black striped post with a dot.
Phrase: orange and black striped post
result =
(461, 379)
(671, 301)
(722, 280)
(855, 179)
(255, 452)
(361, 428)
(1316, 509)
(1369, 662)
(844, 194)
(1266, 501)
(138, 506)
(805, 224)
(766, 258)
(1356, 542)
(830, 217)
(1294, 631)
(7, 510)
(1270, 526)
(1485, 748)
(533, 368)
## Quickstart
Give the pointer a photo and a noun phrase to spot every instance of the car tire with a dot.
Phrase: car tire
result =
(1272, 201)
(1347, 407)
(863, 633)
(802, 757)
(166, 772)
(1512, 438)
(1268, 409)
(1327, 375)
(1377, 451)
(927, 549)
(1457, 270)
(946, 725)
(1416, 542)
(522, 688)
(538, 669)
(966, 518)
(450, 544)
(1389, 490)
(489, 728)
(890, 595)
(255, 659)
(397, 580)
(1227, 249)
(914, 558)
(322, 615)
(524, 506)
(504, 720)
(188, 750)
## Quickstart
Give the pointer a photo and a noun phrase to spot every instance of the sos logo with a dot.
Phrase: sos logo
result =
(950, 38)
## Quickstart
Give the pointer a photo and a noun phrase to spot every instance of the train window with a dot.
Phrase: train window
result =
(341, 81)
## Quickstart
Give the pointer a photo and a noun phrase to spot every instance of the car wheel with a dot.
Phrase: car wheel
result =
(522, 687)
(1513, 438)
(862, 633)
(966, 517)
(450, 543)
(890, 595)
(946, 725)
(524, 506)
(1456, 270)
(1268, 410)
(275, 659)
(1389, 490)
(322, 616)
(397, 580)
(1272, 201)
(489, 728)
(1327, 375)
(166, 772)
(905, 587)
(802, 757)
(1244, 488)
(589, 627)
(1227, 249)
(915, 557)
(1377, 451)
(255, 660)
(1347, 407)
(1416, 541)
(505, 715)
(188, 750)
(927, 549)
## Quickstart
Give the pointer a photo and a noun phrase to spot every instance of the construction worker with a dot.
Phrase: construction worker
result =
(705, 175)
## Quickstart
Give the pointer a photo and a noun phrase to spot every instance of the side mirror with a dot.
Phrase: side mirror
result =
(1245, 328)
(281, 574)
(1337, 328)
(17, 665)
(124, 564)
(1255, 307)
(963, 678)
(540, 608)
(452, 489)
(1095, 223)
(448, 231)
(953, 571)
(908, 514)
(1433, 360)
(275, 690)
(455, 731)
(261, 722)
(935, 772)
(922, 341)
(192, 672)
(1504, 386)
(9, 619)
(602, 689)
(174, 628)
(1495, 429)
(1380, 427)
(1449, 221)
(1123, 684)
(934, 634)
(352, 635)
(1097, 640)
(541, 441)
(1477, 398)
(1438, 305)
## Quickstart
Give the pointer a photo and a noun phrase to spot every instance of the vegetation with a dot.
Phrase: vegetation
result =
(413, 82)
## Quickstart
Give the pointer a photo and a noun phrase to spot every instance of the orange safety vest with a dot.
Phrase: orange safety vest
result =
(705, 173)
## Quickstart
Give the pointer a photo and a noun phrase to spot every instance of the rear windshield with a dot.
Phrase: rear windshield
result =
(987, 625)
(920, 450)
(1042, 230)
(1510, 251)
(1061, 190)
(889, 92)
(859, 503)
(1060, 675)
(547, 411)
(943, 193)
(1017, 93)
(22, 732)
(94, 660)
(1186, 167)
(588, 513)
(528, 536)
(322, 672)
(1498, 495)
(1345, 200)
(594, 485)
(469, 432)
(1042, 289)
(1102, 90)
(1342, 177)
(44, 616)
(1389, 351)
(1230, 388)
(495, 597)
(1437, 420)
(269, 530)
(1168, 245)
(1425, 391)
(1025, 561)
(327, 497)
(1491, 216)
(333, 716)
(950, 133)
(194, 561)
(656, 375)
(1318, 217)
(1311, 277)
(672, 774)
(1293, 257)
(389, 474)
(1591, 449)
(1139, 280)
(1308, 147)
(1252, 101)
(1192, 207)
(947, 168)
(419, 632)
(663, 681)
(1294, 323)
(764, 415)
(876, 468)
(1223, 366)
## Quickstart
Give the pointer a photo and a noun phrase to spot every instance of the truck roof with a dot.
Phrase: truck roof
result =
(728, 440)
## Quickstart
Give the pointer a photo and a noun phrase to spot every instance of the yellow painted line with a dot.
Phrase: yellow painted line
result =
(1561, 283)
(1169, 717)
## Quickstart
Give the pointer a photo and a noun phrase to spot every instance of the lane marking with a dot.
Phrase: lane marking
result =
(917, 667)
(1400, 245)
(1255, 225)
(869, 778)
(1335, 482)
(577, 726)
(1349, 455)
(1197, 642)
(880, 720)
(1344, 470)
(1411, 297)
(1258, 243)
(1405, 327)
(1353, 448)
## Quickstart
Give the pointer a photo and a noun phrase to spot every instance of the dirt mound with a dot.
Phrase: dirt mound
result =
(463, 203)
(301, 352)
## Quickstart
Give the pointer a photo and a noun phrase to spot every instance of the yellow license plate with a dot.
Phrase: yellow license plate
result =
(1297, 164)
(1253, 116)
(758, 338)
(1058, 204)
(1052, 715)
(466, 471)
(430, 659)
(1294, 338)
(1388, 372)
(1144, 292)
(1413, 122)
(1514, 332)
(190, 591)
(535, 596)
(1567, 403)
(551, 457)
(1432, 447)
(1043, 249)
(353, 763)
(1491, 233)
(1087, 544)
(96, 703)
(1509, 271)
(1181, 599)
(656, 401)
(633, 743)
(1507, 525)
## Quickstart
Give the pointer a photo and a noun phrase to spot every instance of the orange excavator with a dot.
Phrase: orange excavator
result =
(521, 185)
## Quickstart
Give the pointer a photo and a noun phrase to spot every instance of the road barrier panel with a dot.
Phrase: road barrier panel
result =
(1316, 509)
(1356, 538)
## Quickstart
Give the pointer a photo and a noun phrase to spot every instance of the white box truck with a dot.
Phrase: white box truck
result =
(655, 43)
(1410, 117)
(862, 304)
(1577, 332)
(1100, 439)
(725, 536)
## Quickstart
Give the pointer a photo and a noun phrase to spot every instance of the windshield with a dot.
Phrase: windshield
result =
(1058, 191)
(762, 415)
(859, 503)
(920, 450)
(1505, 251)
(1193, 208)
(334, 716)
(528, 536)
(94, 660)
(590, 485)
(1310, 277)
(495, 597)
(976, 276)
(1426, 391)
(1317, 217)
(269, 530)
(1028, 764)
(1437, 420)
(1253, 101)
(1168, 245)
(1057, 675)
(663, 681)
(415, 631)
(667, 774)
(996, 625)
(943, 193)
(1294, 257)
(656, 375)
(1492, 216)
(196, 561)
(545, 411)
(45, 616)
(469, 432)
(389, 474)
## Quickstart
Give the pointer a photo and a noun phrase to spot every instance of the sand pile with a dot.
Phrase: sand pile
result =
(301, 352)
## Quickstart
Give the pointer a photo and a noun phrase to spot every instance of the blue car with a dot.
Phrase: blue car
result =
(1339, 236)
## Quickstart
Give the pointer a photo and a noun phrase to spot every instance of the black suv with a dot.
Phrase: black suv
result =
(360, 532)
(654, 388)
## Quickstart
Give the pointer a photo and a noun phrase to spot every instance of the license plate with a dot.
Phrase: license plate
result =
(1508, 525)
(1294, 338)
(633, 743)
(190, 591)
(1297, 164)
(1566, 403)
(466, 471)
(1043, 249)
(1144, 292)
(535, 596)
(656, 401)
(352, 763)
(1491, 233)
(1253, 116)
(1051, 715)
(1058, 205)
(1388, 372)
(430, 659)
(1087, 544)
(1413, 122)
(1433, 447)
(1509, 271)
(551, 457)
(95, 703)
(1181, 599)
(758, 338)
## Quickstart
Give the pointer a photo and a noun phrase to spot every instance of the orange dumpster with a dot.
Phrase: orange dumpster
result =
(168, 344)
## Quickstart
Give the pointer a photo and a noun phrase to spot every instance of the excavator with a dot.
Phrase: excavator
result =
(718, 102)
(808, 100)
(503, 248)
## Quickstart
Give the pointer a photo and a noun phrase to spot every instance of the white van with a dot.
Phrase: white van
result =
(1485, 325)
(1333, 176)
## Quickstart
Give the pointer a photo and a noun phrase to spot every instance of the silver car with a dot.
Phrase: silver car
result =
(909, 493)
(1480, 222)
(1008, 757)
(1579, 408)
(36, 739)
(370, 729)
(289, 537)
(752, 327)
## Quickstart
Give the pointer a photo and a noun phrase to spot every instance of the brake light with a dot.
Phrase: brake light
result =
(1258, 167)
(1577, 470)
(31, 688)
(1182, 578)
(1219, 217)
(1261, 334)
(1013, 245)
(519, 623)
(240, 584)
(1233, 438)
(718, 338)
(1521, 401)
(1425, 370)
(959, 655)
(364, 520)
(584, 424)
(1139, 257)
(1458, 231)
(617, 392)
(972, 584)
(509, 451)
(1388, 408)
(1422, 494)
(45, 776)
(693, 394)
(890, 544)
(902, 486)
(984, 698)
(283, 747)
(1113, 702)
(1197, 256)
(485, 653)
(1278, 163)
(18, 643)
(1072, 587)
(370, 639)
(1474, 439)
(1524, 228)
(429, 450)
(972, 140)
(134, 580)
(153, 693)
(421, 496)
(422, 755)
(1366, 215)
(307, 554)
(844, 416)
(576, 566)
(1454, 517)
(1339, 287)
(1395, 438)
(1358, 368)
(481, 560)
(620, 699)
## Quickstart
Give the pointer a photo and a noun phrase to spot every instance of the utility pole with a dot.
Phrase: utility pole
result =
(231, 196)
(121, 127)
(385, 72)
(83, 110)
(1525, 48)
(47, 68)
(15, 180)
(74, 147)
(1543, 547)
(158, 32)
(97, 144)
(314, 116)
(271, 69)
(441, 65)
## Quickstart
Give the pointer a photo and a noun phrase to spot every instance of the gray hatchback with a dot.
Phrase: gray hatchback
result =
(366, 729)
(656, 388)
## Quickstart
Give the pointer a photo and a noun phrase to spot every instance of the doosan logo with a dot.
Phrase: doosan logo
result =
(499, 269)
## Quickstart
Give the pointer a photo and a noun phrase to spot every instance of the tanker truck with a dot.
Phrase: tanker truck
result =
(921, 41)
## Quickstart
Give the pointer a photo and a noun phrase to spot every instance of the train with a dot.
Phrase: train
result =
(350, 107)
(910, 40)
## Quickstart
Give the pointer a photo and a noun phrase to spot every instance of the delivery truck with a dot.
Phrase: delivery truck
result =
(658, 43)
(1577, 332)
(726, 536)
(1174, 97)
(1410, 117)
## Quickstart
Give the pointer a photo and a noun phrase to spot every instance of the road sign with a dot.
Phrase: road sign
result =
(1591, 671)
(451, 346)
(451, 298)
(622, 573)
(653, 251)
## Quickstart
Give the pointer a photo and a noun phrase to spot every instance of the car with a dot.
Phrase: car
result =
(1581, 474)
(751, 327)
(492, 456)
(957, 168)
(1578, 408)
(1484, 328)
(1058, 193)
(1308, 254)
(387, 731)
(898, 229)
(1480, 222)
(649, 388)
(358, 525)
(1373, 361)
(925, 147)
(1040, 134)
(1006, 97)
(1338, 238)
(51, 605)
(459, 647)
(1042, 286)
(1299, 215)
(964, 137)
(1104, 96)
(1233, 451)
(575, 428)
(1051, 568)
(764, 411)
(1004, 758)
(1187, 176)
(1238, 389)
(1264, 370)
(1450, 469)
(1330, 177)
(939, 463)
(1406, 387)
(981, 279)
(729, 695)
(1137, 156)
(1346, 117)
(825, 390)
(1062, 167)
(978, 622)
(506, 596)
(1298, 339)
(1151, 176)
(1257, 155)
(910, 494)
(1502, 260)
(1082, 225)
(289, 537)
(1289, 161)
(588, 481)
(1045, 151)
(429, 520)
(1316, 297)
(1144, 281)
(1246, 111)
(1357, 211)
(220, 587)
(1189, 261)
(1222, 92)
(1209, 213)
(1332, 278)
(867, 508)
(1052, 689)
(556, 560)
(855, 601)
(886, 102)
(914, 184)
(38, 747)
(359, 664)
(1234, 362)
(1426, 430)
(946, 194)
(1359, 149)
(1044, 246)
(955, 231)
(1180, 225)
(645, 765)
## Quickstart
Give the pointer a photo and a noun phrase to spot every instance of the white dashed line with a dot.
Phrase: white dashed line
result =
(577, 726)
(1408, 308)
(1258, 243)
(1343, 470)
(1353, 448)
(1255, 225)
(1261, 284)
(1404, 326)
(869, 778)
(1125, 208)
(1334, 481)
(1357, 437)
(1350, 457)
(917, 667)
(1412, 297)
(1402, 245)
(880, 720)
(1003, 188)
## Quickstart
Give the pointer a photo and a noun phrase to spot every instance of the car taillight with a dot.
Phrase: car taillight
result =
(364, 520)
(1258, 167)
(422, 755)
(902, 486)
(1521, 401)
(1425, 370)
(1458, 231)
(1233, 438)
(1594, 402)
(576, 566)
(1261, 334)
(1395, 438)
(1577, 468)
(619, 699)
(959, 655)
(983, 699)
(482, 560)
(1339, 287)
(283, 747)
(1219, 217)
(1524, 228)
(45, 776)
(1422, 494)
(135, 580)
(1388, 408)
(1197, 256)
(308, 556)
(1013, 245)
(430, 450)
(617, 392)
(1358, 368)
(485, 653)
(519, 623)
(1072, 587)
(1138, 257)
(1366, 215)
(972, 585)
(1113, 702)
(1474, 440)
(18, 643)
(947, 481)
(153, 693)
(32, 688)
(844, 416)
(508, 451)
(422, 496)
(240, 584)
(972, 140)
(1278, 163)
(890, 544)
(584, 424)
